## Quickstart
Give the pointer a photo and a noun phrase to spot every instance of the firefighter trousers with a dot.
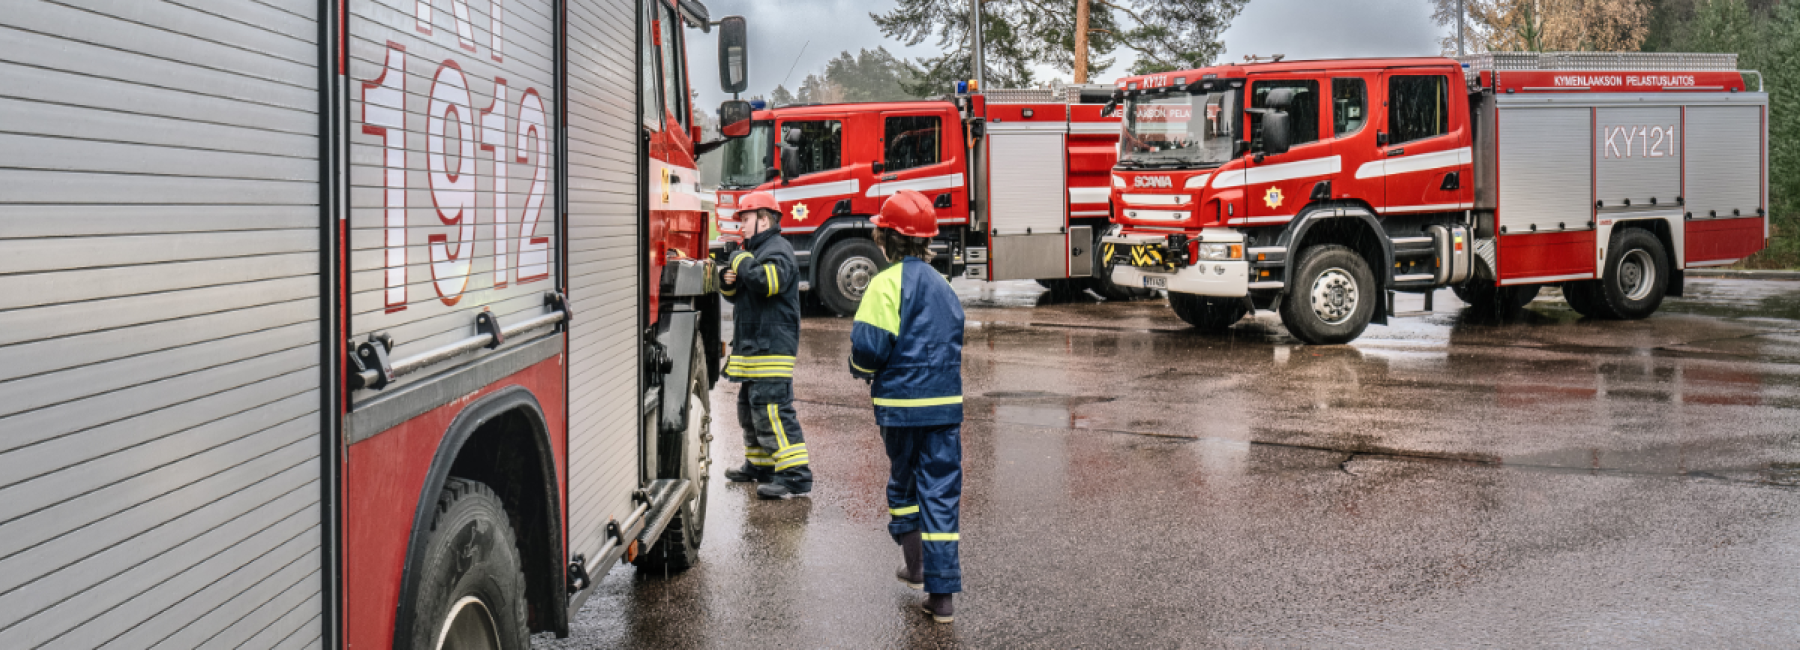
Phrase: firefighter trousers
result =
(772, 438)
(924, 493)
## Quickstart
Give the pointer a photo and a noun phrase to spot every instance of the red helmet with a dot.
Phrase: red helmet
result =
(758, 201)
(908, 213)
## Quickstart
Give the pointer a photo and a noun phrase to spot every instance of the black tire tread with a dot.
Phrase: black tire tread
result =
(1296, 308)
(457, 490)
(1209, 315)
(676, 549)
(826, 287)
(1608, 299)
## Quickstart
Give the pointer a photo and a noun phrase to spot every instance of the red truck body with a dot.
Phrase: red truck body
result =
(1491, 177)
(1019, 178)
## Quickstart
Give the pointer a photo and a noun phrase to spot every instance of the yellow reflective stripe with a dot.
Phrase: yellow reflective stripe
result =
(739, 259)
(775, 374)
(763, 364)
(789, 451)
(757, 453)
(775, 421)
(768, 358)
(901, 512)
(728, 292)
(791, 462)
(774, 278)
(762, 462)
(928, 401)
(881, 301)
(940, 537)
(860, 368)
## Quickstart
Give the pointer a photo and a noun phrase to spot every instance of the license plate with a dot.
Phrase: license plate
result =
(1155, 282)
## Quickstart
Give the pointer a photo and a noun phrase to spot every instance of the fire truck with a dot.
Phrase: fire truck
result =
(1019, 179)
(1319, 189)
(370, 324)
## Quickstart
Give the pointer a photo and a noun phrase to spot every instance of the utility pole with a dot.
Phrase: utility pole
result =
(1081, 41)
(975, 59)
(1460, 51)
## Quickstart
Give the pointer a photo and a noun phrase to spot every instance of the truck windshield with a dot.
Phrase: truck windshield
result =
(748, 159)
(1180, 129)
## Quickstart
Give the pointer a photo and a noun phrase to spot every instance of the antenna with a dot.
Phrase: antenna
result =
(796, 63)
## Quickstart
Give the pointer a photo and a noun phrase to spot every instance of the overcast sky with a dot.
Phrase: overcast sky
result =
(804, 34)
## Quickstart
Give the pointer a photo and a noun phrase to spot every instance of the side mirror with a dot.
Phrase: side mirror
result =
(1280, 99)
(734, 118)
(734, 55)
(1239, 148)
(1108, 108)
(1277, 134)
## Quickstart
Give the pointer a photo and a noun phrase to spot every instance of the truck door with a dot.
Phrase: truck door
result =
(821, 179)
(1353, 126)
(1426, 157)
(918, 154)
(1277, 187)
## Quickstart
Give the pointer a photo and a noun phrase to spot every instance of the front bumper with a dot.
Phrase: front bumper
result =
(1216, 278)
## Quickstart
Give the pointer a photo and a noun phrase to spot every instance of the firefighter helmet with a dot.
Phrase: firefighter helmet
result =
(908, 213)
(758, 201)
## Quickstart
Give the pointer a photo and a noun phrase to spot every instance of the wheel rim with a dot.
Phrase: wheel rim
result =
(469, 626)
(853, 277)
(1637, 274)
(699, 437)
(1334, 296)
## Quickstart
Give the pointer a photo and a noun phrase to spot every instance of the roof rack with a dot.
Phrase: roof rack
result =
(1640, 61)
(1070, 94)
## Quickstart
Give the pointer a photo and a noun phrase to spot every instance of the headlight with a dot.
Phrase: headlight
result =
(1221, 251)
(727, 199)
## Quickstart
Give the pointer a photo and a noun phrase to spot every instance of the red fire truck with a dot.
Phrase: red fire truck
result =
(1019, 178)
(1319, 188)
(380, 323)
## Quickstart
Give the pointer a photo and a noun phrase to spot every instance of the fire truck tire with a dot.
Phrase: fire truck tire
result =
(471, 590)
(1104, 285)
(849, 266)
(1332, 297)
(1580, 296)
(679, 546)
(1210, 315)
(1636, 276)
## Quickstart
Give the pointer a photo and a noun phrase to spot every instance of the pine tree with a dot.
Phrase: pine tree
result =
(1778, 57)
(1018, 34)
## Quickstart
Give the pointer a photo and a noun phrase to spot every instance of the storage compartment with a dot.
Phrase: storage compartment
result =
(1724, 161)
(1546, 171)
(1712, 242)
(1546, 257)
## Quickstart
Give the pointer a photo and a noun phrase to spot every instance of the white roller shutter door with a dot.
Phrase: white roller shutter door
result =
(1546, 168)
(604, 256)
(159, 372)
(1724, 155)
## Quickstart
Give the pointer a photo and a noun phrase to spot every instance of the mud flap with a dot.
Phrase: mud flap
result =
(677, 338)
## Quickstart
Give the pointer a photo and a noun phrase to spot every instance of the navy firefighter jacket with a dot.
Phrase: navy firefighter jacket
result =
(908, 337)
(765, 313)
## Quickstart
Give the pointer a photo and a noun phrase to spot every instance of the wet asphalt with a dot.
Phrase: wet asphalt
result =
(1449, 480)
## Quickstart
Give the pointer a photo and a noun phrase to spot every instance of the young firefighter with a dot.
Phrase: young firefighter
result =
(908, 338)
(760, 281)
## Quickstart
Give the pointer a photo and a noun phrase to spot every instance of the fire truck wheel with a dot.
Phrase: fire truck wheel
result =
(1332, 297)
(849, 266)
(471, 590)
(1635, 278)
(1104, 285)
(1210, 315)
(679, 546)
(1581, 297)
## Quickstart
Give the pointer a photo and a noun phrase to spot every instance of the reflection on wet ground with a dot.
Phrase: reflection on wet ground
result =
(1447, 480)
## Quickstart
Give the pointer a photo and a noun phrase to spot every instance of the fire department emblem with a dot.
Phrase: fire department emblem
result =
(1273, 198)
(800, 212)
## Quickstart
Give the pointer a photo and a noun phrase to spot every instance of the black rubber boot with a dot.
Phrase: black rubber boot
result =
(779, 490)
(748, 473)
(912, 551)
(939, 607)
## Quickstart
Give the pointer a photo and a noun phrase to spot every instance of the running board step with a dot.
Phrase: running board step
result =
(665, 497)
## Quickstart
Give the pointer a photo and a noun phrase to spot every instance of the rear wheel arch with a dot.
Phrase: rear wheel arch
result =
(503, 442)
(829, 234)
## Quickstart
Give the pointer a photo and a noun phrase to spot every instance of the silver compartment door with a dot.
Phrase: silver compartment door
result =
(159, 367)
(604, 255)
(1724, 160)
(1028, 203)
(1546, 168)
